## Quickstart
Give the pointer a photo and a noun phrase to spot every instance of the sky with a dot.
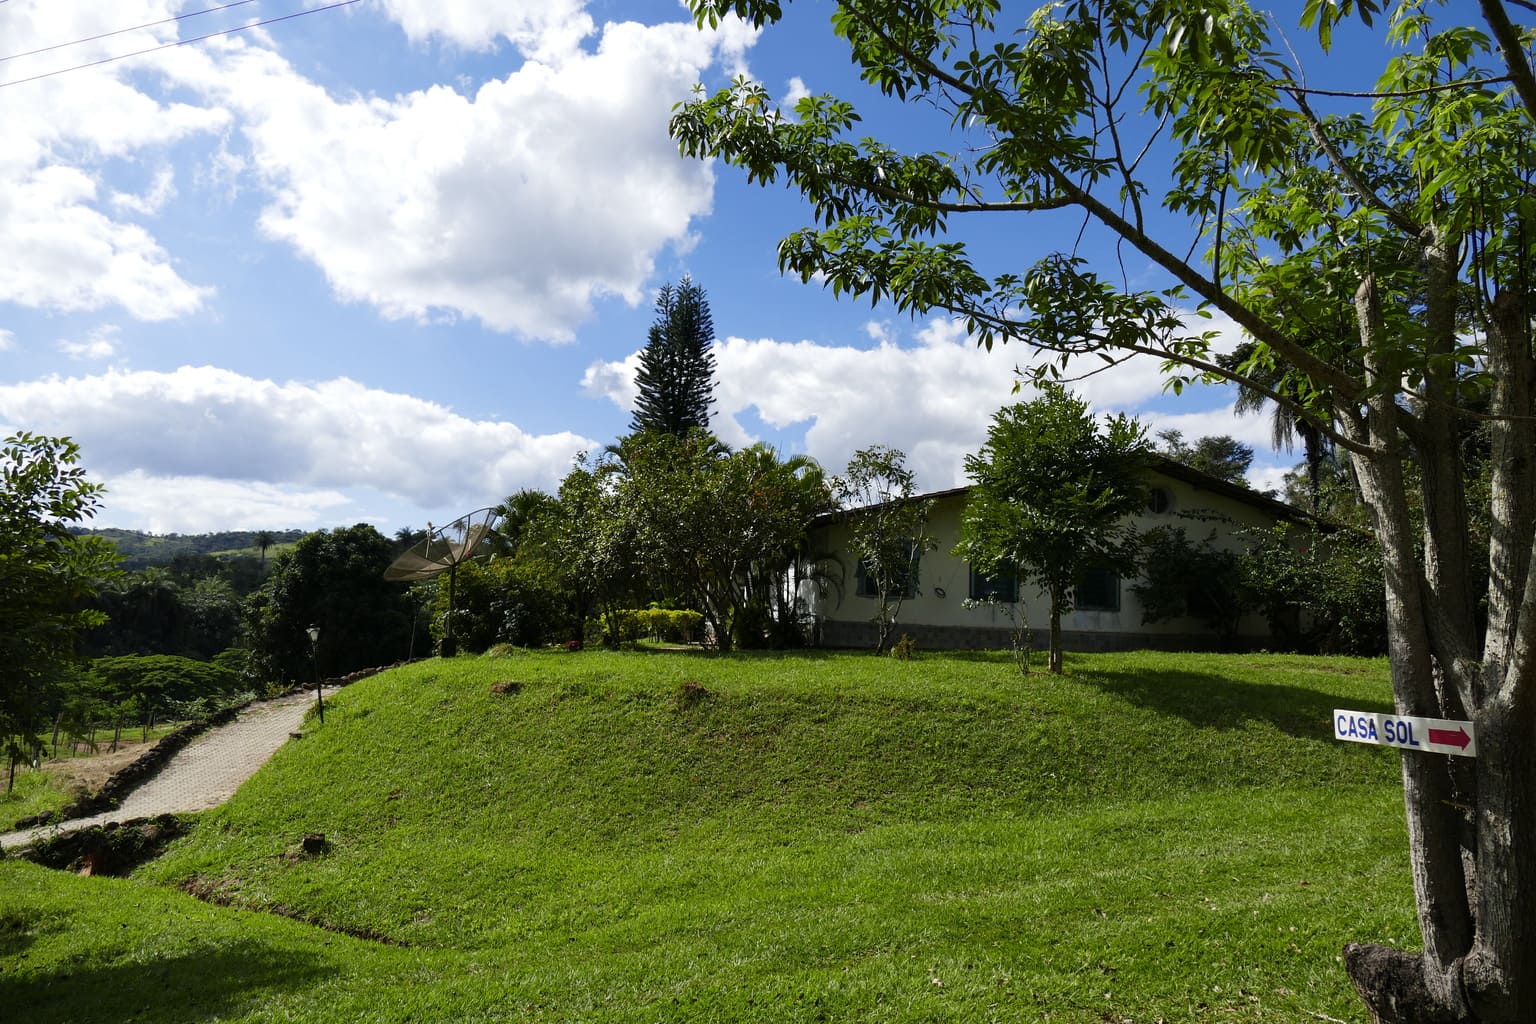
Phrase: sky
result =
(392, 260)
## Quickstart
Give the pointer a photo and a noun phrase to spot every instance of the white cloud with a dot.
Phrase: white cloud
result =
(7, 340)
(294, 438)
(100, 343)
(152, 200)
(62, 251)
(794, 91)
(540, 28)
(202, 504)
(933, 397)
(518, 206)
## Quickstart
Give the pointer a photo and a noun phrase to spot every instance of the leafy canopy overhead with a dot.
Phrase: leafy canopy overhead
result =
(1079, 106)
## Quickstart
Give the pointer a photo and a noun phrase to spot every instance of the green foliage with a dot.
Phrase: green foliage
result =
(161, 611)
(47, 574)
(677, 367)
(888, 529)
(1220, 456)
(589, 544)
(160, 680)
(333, 579)
(520, 515)
(688, 521)
(1051, 496)
(140, 550)
(1184, 579)
(674, 625)
(1320, 591)
(501, 600)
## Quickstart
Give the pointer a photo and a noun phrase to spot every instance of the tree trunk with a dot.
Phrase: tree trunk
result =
(1385, 979)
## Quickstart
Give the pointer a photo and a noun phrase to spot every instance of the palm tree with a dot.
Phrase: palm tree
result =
(1286, 422)
(518, 514)
(264, 540)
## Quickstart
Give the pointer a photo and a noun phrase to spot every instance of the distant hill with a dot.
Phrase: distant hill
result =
(140, 550)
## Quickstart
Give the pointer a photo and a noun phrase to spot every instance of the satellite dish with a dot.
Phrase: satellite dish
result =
(443, 549)
(441, 552)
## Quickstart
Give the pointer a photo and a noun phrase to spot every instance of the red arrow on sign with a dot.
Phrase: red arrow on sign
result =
(1447, 738)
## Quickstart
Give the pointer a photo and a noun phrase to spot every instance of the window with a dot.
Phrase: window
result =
(1159, 501)
(904, 587)
(1097, 590)
(1002, 585)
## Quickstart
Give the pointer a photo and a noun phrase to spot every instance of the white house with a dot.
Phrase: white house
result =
(1108, 615)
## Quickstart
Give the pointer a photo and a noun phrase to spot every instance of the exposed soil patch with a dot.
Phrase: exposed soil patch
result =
(83, 776)
(113, 849)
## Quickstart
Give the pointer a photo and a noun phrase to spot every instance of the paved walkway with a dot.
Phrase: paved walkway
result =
(204, 773)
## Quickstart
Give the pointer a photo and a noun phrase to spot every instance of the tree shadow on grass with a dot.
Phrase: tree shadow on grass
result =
(1211, 701)
(200, 985)
(20, 927)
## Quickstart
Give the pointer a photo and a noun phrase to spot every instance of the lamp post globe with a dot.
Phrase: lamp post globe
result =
(314, 654)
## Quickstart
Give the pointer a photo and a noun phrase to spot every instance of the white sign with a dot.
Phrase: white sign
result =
(1433, 735)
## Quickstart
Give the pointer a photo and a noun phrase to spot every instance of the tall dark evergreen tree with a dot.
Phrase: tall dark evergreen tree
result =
(677, 366)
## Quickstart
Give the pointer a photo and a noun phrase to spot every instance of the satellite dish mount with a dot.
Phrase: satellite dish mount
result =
(441, 552)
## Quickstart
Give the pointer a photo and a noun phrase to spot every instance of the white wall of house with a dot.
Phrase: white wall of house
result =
(944, 580)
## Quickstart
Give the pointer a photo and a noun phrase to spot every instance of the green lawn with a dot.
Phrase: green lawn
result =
(755, 838)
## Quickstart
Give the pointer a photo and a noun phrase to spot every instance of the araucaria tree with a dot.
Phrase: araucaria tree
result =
(888, 531)
(677, 366)
(1051, 495)
(46, 575)
(1378, 246)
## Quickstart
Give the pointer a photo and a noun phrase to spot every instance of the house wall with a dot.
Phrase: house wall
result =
(938, 618)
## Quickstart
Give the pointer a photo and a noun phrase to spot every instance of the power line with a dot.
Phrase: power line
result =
(179, 42)
(122, 31)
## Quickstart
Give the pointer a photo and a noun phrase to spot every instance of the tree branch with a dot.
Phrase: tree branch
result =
(1393, 94)
(1366, 193)
(1514, 57)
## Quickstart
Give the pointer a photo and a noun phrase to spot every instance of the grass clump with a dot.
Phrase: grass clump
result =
(36, 792)
(807, 837)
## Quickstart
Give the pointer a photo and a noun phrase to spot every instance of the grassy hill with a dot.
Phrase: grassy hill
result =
(812, 837)
(141, 550)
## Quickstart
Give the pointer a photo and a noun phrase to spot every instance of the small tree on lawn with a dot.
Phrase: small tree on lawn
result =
(888, 528)
(1051, 496)
(716, 528)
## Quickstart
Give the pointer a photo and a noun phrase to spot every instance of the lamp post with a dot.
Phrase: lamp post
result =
(314, 654)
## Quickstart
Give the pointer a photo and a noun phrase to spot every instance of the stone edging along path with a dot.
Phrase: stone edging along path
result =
(235, 757)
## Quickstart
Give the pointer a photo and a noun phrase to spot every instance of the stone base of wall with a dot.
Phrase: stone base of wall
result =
(971, 638)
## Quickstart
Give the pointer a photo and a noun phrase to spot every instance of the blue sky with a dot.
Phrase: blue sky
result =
(390, 262)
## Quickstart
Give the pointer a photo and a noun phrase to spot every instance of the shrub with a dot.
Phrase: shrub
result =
(1181, 579)
(1323, 594)
(675, 625)
(500, 601)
